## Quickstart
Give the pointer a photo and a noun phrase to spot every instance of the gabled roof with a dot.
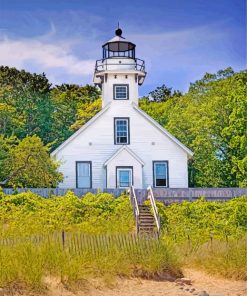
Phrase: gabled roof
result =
(132, 153)
(145, 115)
(80, 130)
(163, 130)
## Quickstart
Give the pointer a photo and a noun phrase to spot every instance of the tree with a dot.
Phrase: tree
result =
(163, 93)
(70, 102)
(86, 112)
(211, 120)
(25, 104)
(27, 163)
(30, 106)
(11, 77)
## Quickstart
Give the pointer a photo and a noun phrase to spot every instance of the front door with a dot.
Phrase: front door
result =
(83, 174)
(124, 177)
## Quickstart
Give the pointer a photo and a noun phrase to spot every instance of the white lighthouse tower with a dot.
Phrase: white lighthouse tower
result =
(119, 73)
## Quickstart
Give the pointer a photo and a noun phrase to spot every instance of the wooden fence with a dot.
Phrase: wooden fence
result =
(171, 195)
(165, 195)
(48, 192)
(80, 243)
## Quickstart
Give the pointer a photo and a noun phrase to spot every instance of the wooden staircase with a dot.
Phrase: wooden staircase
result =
(147, 217)
(146, 225)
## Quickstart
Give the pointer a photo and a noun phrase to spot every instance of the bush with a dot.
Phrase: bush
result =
(27, 213)
(202, 220)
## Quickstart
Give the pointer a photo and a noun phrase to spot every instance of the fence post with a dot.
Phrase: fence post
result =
(63, 239)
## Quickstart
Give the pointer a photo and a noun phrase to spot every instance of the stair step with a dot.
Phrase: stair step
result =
(147, 218)
(147, 226)
(146, 221)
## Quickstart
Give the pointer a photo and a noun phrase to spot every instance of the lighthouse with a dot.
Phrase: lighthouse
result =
(119, 72)
(122, 146)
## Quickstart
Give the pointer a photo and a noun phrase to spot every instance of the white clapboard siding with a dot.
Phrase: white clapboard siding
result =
(96, 144)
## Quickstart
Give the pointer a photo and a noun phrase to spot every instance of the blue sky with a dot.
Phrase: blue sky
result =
(179, 40)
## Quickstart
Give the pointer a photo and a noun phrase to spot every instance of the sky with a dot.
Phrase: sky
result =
(180, 40)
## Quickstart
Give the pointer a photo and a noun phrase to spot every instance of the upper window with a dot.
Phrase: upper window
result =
(121, 92)
(121, 126)
(160, 169)
(83, 174)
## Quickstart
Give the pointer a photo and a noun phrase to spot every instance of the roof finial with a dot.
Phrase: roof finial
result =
(118, 31)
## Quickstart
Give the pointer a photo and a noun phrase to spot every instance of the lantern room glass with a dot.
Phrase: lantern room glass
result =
(119, 49)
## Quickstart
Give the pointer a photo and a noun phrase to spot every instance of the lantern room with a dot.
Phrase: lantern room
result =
(119, 65)
(118, 47)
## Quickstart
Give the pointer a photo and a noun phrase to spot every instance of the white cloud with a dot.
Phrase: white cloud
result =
(186, 45)
(181, 56)
(45, 54)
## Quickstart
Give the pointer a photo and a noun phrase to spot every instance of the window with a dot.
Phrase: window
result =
(83, 174)
(121, 131)
(124, 177)
(160, 170)
(121, 92)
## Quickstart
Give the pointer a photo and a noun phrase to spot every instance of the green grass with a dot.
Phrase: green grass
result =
(28, 262)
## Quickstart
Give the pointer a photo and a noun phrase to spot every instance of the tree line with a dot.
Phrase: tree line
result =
(36, 117)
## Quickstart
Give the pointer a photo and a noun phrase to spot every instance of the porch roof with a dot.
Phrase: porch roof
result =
(127, 149)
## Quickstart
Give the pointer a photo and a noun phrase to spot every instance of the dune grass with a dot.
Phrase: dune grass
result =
(226, 259)
(29, 262)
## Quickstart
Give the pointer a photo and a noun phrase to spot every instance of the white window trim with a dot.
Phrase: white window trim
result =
(115, 91)
(154, 173)
(115, 131)
(124, 169)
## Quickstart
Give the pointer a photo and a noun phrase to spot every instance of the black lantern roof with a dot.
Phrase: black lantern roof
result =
(118, 46)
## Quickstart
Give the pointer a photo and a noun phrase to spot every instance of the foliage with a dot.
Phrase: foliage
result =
(200, 221)
(210, 235)
(28, 213)
(211, 120)
(85, 113)
(32, 223)
(163, 93)
(30, 106)
(74, 106)
(11, 77)
(27, 163)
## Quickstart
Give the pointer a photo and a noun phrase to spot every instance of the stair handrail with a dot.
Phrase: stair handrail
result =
(135, 206)
(154, 207)
(134, 202)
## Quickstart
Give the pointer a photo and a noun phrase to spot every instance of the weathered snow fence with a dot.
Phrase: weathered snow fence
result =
(171, 195)
(165, 195)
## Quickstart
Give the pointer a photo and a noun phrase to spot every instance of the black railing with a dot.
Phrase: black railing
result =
(105, 64)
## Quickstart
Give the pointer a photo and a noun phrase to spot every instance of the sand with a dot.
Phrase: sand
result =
(200, 281)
